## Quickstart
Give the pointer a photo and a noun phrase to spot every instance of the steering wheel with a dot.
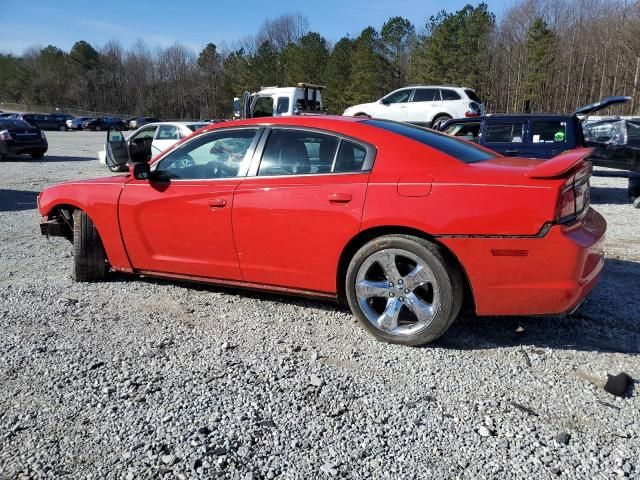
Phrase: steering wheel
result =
(181, 162)
(217, 169)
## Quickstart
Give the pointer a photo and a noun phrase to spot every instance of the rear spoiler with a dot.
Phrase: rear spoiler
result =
(560, 164)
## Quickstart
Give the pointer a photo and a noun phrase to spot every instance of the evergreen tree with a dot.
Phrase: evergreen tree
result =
(338, 76)
(455, 48)
(398, 35)
(540, 48)
(368, 80)
(307, 60)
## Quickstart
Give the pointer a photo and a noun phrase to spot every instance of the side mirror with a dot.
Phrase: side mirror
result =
(140, 170)
(384, 101)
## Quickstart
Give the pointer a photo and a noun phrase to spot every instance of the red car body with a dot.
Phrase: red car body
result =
(499, 218)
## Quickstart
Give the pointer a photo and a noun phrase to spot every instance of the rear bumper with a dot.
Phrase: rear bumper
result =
(549, 275)
(12, 148)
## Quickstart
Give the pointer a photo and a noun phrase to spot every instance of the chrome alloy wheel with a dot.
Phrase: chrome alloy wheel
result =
(397, 292)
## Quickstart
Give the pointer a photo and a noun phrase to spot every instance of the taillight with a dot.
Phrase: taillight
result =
(474, 110)
(575, 197)
(5, 135)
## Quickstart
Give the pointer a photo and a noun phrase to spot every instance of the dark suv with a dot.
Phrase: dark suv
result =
(547, 135)
(44, 122)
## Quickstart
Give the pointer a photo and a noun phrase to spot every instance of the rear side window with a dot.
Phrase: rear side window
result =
(449, 94)
(552, 131)
(463, 151)
(167, 132)
(426, 95)
(297, 152)
(504, 133)
(351, 157)
(472, 95)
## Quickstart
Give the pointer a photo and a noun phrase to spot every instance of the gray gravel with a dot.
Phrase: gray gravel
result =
(137, 378)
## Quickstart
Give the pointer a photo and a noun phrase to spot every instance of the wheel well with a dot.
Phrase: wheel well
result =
(366, 236)
(362, 114)
(64, 215)
(438, 115)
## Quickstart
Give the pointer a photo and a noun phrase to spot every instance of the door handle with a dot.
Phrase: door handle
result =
(511, 152)
(217, 203)
(340, 197)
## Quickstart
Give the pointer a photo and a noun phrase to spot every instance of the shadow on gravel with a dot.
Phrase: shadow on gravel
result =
(46, 159)
(17, 200)
(610, 196)
(608, 321)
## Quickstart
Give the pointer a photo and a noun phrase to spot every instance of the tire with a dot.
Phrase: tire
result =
(98, 128)
(89, 258)
(37, 156)
(362, 115)
(118, 168)
(435, 291)
(62, 128)
(439, 120)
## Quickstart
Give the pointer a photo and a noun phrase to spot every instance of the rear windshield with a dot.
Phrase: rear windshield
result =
(459, 149)
(5, 124)
(473, 96)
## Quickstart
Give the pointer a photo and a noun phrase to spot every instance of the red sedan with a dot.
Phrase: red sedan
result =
(401, 222)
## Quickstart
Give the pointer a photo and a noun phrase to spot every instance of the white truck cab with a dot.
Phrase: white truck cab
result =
(303, 99)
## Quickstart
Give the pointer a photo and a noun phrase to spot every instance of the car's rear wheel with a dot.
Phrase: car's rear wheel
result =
(62, 128)
(439, 120)
(89, 258)
(403, 290)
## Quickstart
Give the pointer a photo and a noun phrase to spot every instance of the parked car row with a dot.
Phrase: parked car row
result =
(143, 144)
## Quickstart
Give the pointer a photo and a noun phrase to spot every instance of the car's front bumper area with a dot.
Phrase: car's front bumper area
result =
(544, 275)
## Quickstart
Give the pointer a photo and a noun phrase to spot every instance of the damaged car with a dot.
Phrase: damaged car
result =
(403, 224)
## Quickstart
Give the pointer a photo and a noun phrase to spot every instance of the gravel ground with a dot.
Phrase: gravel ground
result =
(137, 378)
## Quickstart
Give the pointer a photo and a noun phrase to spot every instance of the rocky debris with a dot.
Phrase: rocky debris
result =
(563, 438)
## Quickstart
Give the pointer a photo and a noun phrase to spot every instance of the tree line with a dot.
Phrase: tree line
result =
(541, 55)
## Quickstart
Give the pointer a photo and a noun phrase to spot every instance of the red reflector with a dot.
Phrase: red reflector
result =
(509, 253)
(471, 114)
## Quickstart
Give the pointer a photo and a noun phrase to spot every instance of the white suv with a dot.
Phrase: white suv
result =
(427, 105)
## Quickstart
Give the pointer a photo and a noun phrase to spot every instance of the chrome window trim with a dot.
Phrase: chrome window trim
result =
(257, 156)
(244, 165)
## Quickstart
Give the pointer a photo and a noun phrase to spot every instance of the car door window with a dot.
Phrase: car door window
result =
(263, 107)
(221, 154)
(467, 130)
(283, 105)
(401, 96)
(296, 152)
(552, 131)
(504, 133)
(449, 94)
(167, 132)
(426, 95)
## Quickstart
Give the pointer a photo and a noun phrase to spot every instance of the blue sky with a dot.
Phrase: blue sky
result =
(194, 23)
